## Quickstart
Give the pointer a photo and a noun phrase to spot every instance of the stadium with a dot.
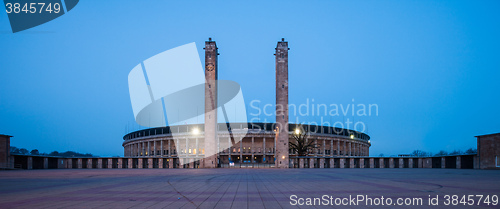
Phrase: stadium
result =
(213, 144)
(254, 146)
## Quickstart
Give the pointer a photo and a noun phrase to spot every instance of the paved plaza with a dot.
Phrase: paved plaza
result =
(234, 188)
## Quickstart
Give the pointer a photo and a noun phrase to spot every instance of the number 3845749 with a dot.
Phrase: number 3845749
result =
(32, 8)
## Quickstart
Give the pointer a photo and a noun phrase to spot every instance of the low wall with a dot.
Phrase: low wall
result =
(44, 162)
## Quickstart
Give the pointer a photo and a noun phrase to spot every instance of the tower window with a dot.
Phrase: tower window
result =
(282, 56)
(283, 86)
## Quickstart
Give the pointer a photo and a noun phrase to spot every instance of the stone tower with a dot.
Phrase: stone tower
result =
(211, 54)
(282, 104)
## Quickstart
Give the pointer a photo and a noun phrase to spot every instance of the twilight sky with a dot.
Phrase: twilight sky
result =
(431, 67)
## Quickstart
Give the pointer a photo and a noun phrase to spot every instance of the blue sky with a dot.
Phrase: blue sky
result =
(432, 67)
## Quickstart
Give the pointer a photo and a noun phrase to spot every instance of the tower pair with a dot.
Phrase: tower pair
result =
(211, 70)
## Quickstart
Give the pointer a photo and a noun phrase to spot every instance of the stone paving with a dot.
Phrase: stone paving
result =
(234, 188)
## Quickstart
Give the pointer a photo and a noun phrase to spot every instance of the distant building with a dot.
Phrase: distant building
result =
(488, 151)
(5, 159)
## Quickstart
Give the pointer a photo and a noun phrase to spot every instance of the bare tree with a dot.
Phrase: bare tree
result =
(300, 143)
(441, 153)
(471, 151)
(419, 153)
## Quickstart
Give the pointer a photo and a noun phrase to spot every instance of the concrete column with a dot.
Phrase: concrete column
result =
(191, 163)
(120, 163)
(311, 162)
(140, 163)
(344, 148)
(150, 162)
(420, 163)
(149, 149)
(160, 162)
(443, 162)
(241, 150)
(198, 150)
(362, 163)
(99, 163)
(281, 141)
(30, 163)
(351, 163)
(459, 165)
(187, 147)
(211, 99)
(110, 163)
(401, 163)
(79, 163)
(252, 150)
(381, 162)
(264, 146)
(331, 147)
(161, 147)
(89, 163)
(341, 163)
(169, 150)
(324, 147)
(45, 163)
(372, 163)
(177, 147)
(338, 147)
(301, 162)
(130, 163)
(322, 161)
(69, 163)
(332, 163)
(410, 163)
(391, 163)
(170, 163)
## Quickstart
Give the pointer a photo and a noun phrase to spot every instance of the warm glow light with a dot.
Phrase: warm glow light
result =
(196, 131)
(283, 157)
(352, 136)
(297, 131)
(369, 141)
